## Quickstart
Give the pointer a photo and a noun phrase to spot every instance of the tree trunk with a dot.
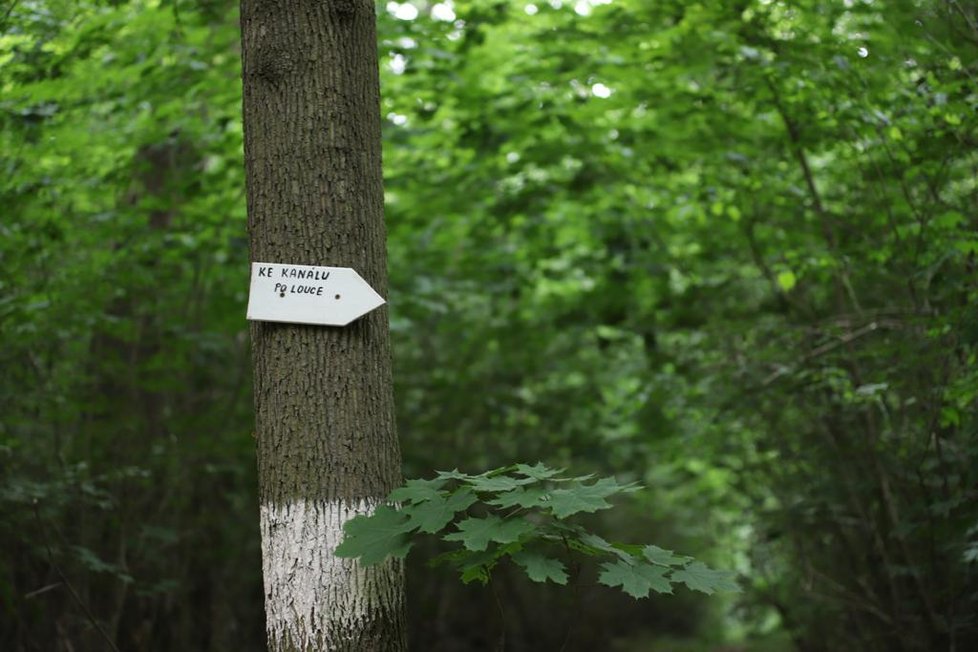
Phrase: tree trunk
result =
(327, 445)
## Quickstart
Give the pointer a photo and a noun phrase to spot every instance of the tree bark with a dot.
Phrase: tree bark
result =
(326, 439)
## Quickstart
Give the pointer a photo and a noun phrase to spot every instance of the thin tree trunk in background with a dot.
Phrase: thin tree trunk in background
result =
(327, 445)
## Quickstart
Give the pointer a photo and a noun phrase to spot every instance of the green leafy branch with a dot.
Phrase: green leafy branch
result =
(520, 512)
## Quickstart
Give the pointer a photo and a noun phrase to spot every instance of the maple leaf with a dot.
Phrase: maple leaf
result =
(540, 569)
(478, 566)
(373, 538)
(592, 544)
(699, 577)
(585, 498)
(417, 491)
(538, 471)
(524, 497)
(454, 474)
(498, 483)
(476, 533)
(635, 579)
(662, 557)
(435, 513)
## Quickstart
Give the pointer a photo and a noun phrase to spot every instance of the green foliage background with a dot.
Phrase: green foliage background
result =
(723, 249)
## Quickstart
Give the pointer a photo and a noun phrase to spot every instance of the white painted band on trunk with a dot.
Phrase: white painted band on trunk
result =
(312, 596)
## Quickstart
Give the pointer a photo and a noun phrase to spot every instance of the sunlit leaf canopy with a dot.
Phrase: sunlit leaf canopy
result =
(724, 249)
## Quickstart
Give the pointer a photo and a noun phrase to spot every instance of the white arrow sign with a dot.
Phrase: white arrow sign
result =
(305, 294)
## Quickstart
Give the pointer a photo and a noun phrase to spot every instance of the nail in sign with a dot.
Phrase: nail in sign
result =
(306, 294)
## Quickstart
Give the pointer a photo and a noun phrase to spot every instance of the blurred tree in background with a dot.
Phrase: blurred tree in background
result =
(726, 249)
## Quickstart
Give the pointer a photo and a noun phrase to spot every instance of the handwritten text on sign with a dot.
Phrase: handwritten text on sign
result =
(306, 294)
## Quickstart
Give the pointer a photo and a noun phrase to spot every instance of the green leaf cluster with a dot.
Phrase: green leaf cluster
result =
(520, 512)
